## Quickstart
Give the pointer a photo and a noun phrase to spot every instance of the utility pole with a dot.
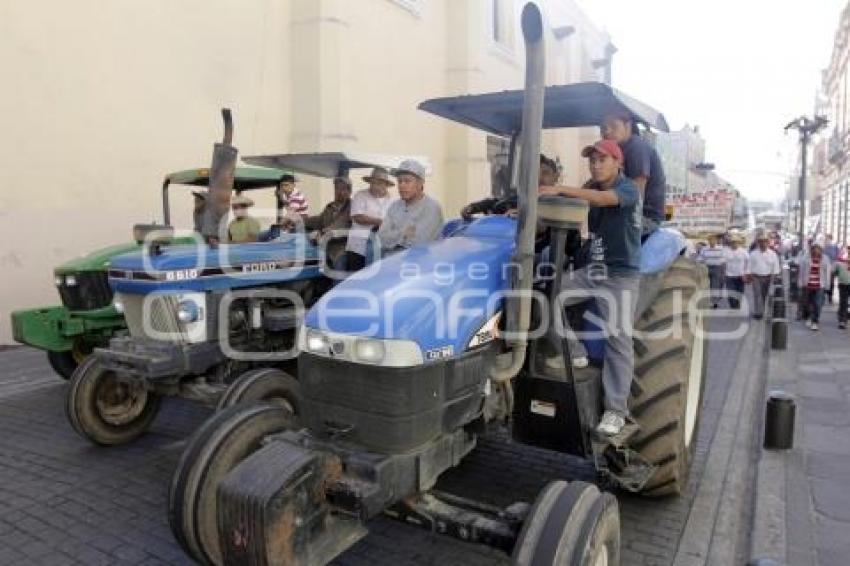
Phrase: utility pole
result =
(807, 127)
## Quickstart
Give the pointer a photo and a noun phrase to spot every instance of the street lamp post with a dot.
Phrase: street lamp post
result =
(807, 127)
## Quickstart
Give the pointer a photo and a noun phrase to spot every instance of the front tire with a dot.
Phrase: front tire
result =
(264, 384)
(570, 524)
(106, 410)
(222, 442)
(670, 370)
(63, 363)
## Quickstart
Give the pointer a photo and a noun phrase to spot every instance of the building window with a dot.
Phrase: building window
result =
(503, 29)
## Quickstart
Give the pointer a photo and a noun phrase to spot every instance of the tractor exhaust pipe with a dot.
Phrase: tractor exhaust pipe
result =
(222, 172)
(519, 307)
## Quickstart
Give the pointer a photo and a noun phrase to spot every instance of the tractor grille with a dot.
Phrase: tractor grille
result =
(161, 314)
(91, 291)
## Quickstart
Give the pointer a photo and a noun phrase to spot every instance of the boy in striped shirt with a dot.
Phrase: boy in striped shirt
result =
(295, 207)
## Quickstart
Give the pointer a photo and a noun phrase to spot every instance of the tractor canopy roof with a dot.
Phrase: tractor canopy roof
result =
(331, 164)
(245, 178)
(565, 106)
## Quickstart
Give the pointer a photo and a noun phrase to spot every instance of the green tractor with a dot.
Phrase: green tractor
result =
(86, 319)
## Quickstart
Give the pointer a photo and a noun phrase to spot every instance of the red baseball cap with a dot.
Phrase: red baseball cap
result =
(607, 147)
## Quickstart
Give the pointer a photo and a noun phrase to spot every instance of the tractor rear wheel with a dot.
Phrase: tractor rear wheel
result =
(264, 384)
(105, 409)
(670, 367)
(570, 524)
(222, 442)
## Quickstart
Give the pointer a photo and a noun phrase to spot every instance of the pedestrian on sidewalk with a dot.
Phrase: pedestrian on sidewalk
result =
(762, 267)
(736, 267)
(815, 272)
(842, 273)
(830, 250)
(714, 258)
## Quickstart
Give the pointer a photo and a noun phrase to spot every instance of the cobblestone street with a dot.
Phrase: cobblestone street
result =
(64, 501)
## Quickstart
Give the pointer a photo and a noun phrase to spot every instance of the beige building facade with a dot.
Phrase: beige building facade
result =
(103, 98)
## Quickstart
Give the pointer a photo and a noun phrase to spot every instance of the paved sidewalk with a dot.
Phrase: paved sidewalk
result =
(802, 513)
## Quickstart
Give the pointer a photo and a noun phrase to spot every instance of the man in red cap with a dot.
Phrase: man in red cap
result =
(611, 275)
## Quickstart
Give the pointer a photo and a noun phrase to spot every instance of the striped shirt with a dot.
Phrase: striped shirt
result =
(814, 275)
(713, 256)
(295, 203)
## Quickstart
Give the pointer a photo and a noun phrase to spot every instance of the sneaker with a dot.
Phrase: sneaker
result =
(611, 424)
(842, 326)
(557, 362)
(809, 324)
(815, 326)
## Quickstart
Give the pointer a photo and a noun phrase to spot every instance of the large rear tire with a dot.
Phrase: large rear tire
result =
(106, 410)
(222, 442)
(669, 380)
(570, 524)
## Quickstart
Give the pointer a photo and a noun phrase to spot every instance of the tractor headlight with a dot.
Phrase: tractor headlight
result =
(369, 351)
(70, 281)
(317, 342)
(118, 306)
(58, 281)
(188, 311)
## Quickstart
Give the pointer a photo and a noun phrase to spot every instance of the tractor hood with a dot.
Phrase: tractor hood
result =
(438, 294)
(202, 268)
(97, 260)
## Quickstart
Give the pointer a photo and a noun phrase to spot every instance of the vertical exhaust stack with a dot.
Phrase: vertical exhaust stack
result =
(519, 308)
(222, 172)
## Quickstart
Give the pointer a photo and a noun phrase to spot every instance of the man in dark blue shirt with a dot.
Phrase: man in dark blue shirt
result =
(641, 164)
(611, 275)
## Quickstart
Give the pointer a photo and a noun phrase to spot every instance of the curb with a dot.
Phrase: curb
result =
(718, 514)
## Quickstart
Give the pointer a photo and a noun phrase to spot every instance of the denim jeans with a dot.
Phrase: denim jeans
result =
(815, 298)
(619, 362)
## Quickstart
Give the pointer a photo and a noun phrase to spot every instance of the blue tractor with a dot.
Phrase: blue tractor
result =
(407, 363)
(212, 322)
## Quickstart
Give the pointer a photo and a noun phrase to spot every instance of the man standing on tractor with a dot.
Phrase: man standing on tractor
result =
(368, 209)
(613, 268)
(243, 228)
(641, 164)
(415, 217)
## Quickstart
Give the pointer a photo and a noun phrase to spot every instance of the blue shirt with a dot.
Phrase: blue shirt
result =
(615, 230)
(641, 160)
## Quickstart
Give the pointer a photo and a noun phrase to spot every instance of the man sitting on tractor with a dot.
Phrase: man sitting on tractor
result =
(415, 217)
(368, 209)
(641, 164)
(335, 216)
(243, 228)
(549, 175)
(612, 271)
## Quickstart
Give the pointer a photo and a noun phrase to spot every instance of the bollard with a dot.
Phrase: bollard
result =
(778, 308)
(779, 334)
(779, 421)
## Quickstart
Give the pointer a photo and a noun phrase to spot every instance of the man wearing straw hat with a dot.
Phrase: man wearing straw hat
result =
(243, 228)
(368, 209)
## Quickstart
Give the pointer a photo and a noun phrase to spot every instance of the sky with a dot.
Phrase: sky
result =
(740, 70)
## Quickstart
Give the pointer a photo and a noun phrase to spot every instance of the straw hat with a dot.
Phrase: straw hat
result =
(379, 174)
(241, 200)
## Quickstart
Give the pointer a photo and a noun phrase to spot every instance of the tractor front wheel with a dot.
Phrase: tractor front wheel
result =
(222, 442)
(264, 384)
(64, 363)
(106, 409)
(570, 524)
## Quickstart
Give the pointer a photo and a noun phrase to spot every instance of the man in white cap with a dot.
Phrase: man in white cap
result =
(368, 209)
(415, 217)
(243, 228)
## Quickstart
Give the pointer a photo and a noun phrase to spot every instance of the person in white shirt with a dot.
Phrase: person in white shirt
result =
(736, 268)
(762, 267)
(368, 209)
(714, 257)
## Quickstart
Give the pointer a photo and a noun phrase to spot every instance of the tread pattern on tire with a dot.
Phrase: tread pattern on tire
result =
(662, 366)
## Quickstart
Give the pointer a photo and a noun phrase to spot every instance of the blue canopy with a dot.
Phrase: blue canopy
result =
(566, 106)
